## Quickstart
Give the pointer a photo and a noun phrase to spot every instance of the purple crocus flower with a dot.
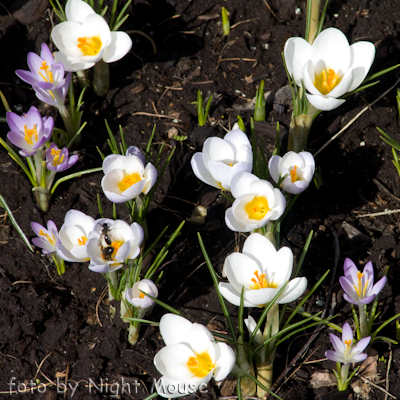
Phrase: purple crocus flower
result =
(345, 351)
(359, 286)
(30, 131)
(58, 160)
(47, 238)
(46, 77)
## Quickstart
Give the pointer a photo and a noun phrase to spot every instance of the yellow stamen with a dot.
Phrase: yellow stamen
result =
(141, 295)
(128, 181)
(359, 288)
(31, 135)
(293, 175)
(57, 160)
(257, 208)
(260, 282)
(48, 75)
(348, 344)
(326, 80)
(51, 239)
(201, 365)
(82, 240)
(89, 46)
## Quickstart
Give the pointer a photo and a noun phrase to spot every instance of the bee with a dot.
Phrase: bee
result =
(106, 241)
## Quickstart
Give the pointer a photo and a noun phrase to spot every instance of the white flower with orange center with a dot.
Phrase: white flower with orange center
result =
(137, 298)
(111, 243)
(85, 38)
(126, 177)
(330, 67)
(191, 357)
(297, 167)
(73, 236)
(257, 202)
(221, 159)
(261, 271)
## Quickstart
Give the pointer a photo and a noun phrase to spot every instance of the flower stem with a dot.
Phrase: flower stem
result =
(101, 78)
(343, 372)
(59, 263)
(264, 375)
(298, 132)
(363, 321)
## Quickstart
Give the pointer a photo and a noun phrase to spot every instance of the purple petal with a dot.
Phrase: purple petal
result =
(369, 270)
(36, 227)
(44, 85)
(46, 54)
(26, 76)
(348, 288)
(347, 333)
(350, 300)
(72, 160)
(349, 267)
(48, 128)
(358, 357)
(368, 299)
(45, 96)
(15, 122)
(333, 356)
(361, 345)
(337, 343)
(35, 63)
(379, 286)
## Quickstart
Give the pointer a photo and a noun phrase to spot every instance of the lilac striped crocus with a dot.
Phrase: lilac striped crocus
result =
(29, 131)
(359, 286)
(346, 352)
(46, 77)
(57, 159)
(47, 238)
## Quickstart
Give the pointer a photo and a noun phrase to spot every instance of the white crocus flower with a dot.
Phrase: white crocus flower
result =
(73, 236)
(191, 357)
(297, 167)
(330, 67)
(85, 38)
(257, 202)
(262, 271)
(138, 299)
(111, 243)
(221, 159)
(126, 177)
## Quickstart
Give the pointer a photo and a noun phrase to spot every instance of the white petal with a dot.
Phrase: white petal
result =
(324, 103)
(77, 10)
(297, 52)
(174, 328)
(274, 167)
(201, 340)
(150, 176)
(233, 223)
(201, 171)
(172, 360)
(229, 293)
(217, 149)
(96, 25)
(240, 270)
(224, 359)
(251, 325)
(362, 57)
(240, 183)
(294, 289)
(332, 46)
(120, 45)
(260, 297)
(65, 37)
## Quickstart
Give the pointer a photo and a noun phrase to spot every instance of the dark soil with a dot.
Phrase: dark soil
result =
(51, 321)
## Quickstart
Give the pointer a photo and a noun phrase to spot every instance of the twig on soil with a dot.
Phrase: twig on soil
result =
(356, 117)
(314, 361)
(186, 201)
(385, 189)
(270, 9)
(378, 213)
(201, 83)
(239, 59)
(153, 45)
(376, 386)
(154, 115)
(17, 282)
(154, 108)
(303, 363)
(223, 49)
(40, 365)
(243, 22)
(103, 293)
(388, 370)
